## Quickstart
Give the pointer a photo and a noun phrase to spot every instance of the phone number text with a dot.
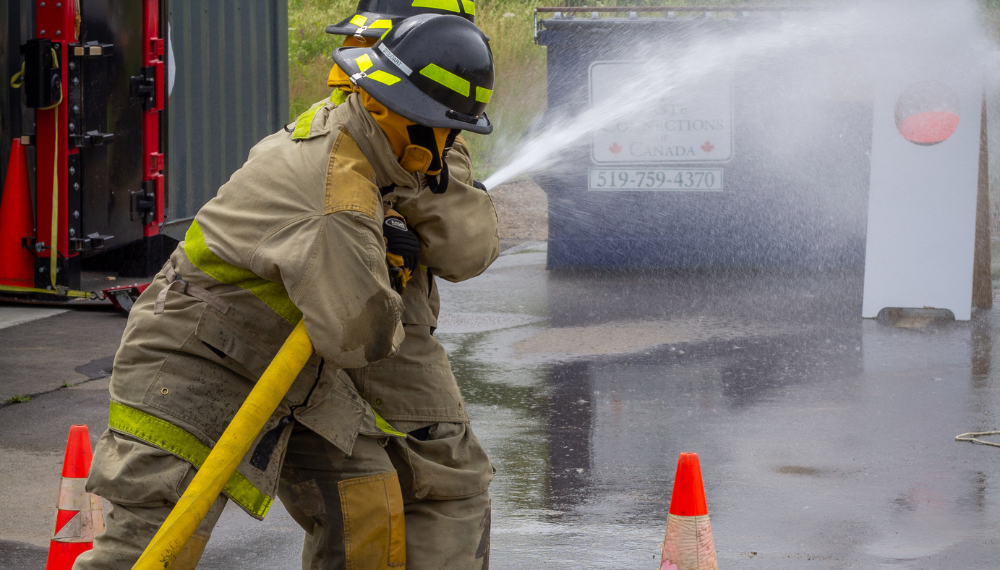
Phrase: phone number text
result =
(676, 179)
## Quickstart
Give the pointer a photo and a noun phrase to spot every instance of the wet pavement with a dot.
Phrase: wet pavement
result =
(825, 441)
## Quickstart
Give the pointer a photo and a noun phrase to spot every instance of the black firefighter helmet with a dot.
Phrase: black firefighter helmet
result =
(374, 17)
(434, 70)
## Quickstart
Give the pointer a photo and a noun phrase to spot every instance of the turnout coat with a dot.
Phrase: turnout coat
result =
(295, 234)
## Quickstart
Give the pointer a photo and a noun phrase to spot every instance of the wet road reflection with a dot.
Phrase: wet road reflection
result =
(825, 441)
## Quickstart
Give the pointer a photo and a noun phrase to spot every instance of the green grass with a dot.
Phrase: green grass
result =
(18, 399)
(309, 49)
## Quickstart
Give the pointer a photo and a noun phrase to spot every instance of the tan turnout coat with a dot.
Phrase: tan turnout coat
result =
(295, 233)
(459, 240)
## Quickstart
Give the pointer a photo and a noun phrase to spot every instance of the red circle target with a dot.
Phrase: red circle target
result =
(927, 113)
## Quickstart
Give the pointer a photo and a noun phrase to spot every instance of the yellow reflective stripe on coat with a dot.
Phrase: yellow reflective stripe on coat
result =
(304, 123)
(385, 427)
(339, 96)
(273, 294)
(446, 78)
(483, 94)
(447, 5)
(169, 437)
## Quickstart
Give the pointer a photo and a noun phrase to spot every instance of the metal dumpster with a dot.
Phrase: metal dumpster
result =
(737, 173)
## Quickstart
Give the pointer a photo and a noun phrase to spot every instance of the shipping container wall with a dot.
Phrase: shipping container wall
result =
(228, 88)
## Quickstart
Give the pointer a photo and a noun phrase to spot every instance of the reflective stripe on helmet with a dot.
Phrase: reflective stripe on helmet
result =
(447, 5)
(364, 62)
(382, 77)
(446, 78)
(379, 24)
(483, 94)
(359, 20)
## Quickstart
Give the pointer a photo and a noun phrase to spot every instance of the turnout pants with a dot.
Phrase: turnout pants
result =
(352, 508)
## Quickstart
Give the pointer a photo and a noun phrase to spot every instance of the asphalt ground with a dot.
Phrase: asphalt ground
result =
(825, 441)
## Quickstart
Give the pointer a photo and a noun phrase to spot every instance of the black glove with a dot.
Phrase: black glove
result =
(478, 184)
(402, 250)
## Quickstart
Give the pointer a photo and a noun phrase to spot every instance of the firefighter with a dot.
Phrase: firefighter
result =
(297, 233)
(444, 470)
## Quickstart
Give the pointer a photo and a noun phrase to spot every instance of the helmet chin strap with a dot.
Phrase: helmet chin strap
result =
(439, 184)
(419, 148)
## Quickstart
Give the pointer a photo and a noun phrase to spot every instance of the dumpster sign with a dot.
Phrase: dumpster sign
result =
(692, 125)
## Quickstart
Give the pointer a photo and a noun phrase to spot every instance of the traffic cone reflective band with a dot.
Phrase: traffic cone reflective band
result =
(78, 514)
(16, 263)
(688, 542)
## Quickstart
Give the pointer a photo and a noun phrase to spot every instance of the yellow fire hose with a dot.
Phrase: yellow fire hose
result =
(228, 452)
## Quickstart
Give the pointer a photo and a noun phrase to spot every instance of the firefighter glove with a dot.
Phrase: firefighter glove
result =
(402, 250)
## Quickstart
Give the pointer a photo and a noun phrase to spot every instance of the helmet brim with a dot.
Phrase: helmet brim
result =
(422, 109)
(346, 28)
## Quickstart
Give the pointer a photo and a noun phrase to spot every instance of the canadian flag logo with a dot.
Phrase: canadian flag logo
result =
(615, 148)
(708, 147)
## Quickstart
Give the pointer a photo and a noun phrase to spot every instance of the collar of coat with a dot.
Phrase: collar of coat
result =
(377, 149)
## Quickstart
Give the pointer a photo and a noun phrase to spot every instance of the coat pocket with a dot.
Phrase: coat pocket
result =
(198, 391)
(449, 464)
(228, 341)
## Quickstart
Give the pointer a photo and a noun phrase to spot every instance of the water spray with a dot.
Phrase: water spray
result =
(871, 36)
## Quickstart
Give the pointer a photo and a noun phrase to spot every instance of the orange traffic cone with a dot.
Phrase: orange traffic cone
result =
(16, 263)
(688, 542)
(78, 515)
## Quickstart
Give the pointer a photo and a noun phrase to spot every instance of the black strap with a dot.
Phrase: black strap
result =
(261, 457)
(439, 184)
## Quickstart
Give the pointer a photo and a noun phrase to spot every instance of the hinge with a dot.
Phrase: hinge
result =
(143, 87)
(33, 246)
(143, 202)
(155, 162)
(91, 242)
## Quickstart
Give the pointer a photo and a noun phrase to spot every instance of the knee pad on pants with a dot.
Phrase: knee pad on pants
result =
(374, 529)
